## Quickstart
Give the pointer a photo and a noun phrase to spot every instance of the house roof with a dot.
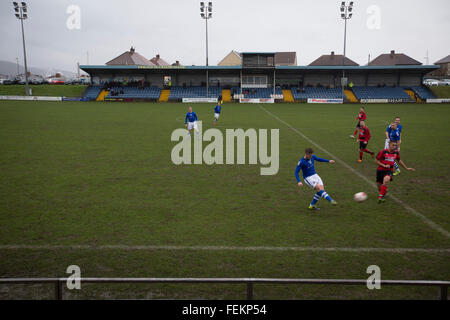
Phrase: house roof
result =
(130, 58)
(443, 60)
(333, 60)
(393, 59)
(286, 58)
(237, 54)
(158, 61)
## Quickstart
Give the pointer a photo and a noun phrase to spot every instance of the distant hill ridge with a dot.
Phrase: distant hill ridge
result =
(8, 68)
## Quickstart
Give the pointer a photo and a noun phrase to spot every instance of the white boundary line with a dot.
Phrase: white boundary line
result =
(223, 248)
(432, 224)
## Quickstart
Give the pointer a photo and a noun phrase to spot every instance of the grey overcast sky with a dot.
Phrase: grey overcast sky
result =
(174, 29)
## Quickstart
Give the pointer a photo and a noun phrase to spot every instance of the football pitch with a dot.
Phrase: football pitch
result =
(93, 185)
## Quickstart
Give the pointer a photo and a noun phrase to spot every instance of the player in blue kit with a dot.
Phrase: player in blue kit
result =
(217, 110)
(311, 178)
(192, 118)
(393, 133)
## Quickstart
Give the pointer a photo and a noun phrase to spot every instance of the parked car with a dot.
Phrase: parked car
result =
(9, 81)
(431, 82)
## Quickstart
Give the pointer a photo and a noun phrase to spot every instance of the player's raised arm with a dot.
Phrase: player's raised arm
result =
(322, 159)
(404, 166)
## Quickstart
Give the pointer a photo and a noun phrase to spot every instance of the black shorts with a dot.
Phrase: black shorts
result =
(363, 145)
(381, 174)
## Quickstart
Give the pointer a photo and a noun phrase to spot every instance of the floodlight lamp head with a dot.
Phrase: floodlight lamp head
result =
(351, 3)
(210, 4)
(202, 4)
(202, 15)
(209, 9)
(343, 4)
(17, 16)
(25, 16)
(350, 15)
(210, 15)
(342, 16)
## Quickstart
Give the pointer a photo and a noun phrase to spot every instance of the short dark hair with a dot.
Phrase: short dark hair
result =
(397, 117)
(309, 151)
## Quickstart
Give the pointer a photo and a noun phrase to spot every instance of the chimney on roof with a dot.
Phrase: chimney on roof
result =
(157, 56)
(131, 50)
(392, 53)
(332, 53)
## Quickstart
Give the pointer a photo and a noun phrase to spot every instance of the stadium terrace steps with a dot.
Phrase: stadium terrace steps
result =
(350, 95)
(316, 93)
(177, 92)
(226, 95)
(287, 95)
(413, 95)
(423, 93)
(92, 92)
(256, 93)
(102, 95)
(134, 92)
(164, 97)
(381, 93)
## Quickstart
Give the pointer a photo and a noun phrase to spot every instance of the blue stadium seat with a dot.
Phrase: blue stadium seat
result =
(256, 93)
(381, 93)
(135, 92)
(177, 92)
(92, 92)
(423, 93)
(316, 93)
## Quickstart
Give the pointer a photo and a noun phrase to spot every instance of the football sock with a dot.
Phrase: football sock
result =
(396, 166)
(360, 155)
(317, 197)
(326, 196)
(383, 190)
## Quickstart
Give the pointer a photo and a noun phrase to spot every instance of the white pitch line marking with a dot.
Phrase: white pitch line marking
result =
(432, 224)
(222, 248)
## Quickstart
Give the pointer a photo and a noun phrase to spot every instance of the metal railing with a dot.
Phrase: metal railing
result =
(59, 282)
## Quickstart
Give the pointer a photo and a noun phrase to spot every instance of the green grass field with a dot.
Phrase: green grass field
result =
(44, 90)
(100, 174)
(441, 91)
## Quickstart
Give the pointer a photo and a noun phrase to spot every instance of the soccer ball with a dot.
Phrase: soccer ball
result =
(360, 196)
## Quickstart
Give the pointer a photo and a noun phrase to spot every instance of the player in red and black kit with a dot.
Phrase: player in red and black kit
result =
(361, 117)
(385, 160)
(363, 139)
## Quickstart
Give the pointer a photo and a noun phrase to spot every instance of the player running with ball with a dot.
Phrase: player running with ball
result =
(311, 178)
(385, 160)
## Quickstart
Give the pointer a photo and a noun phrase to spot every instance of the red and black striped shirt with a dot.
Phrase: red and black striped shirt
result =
(387, 157)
